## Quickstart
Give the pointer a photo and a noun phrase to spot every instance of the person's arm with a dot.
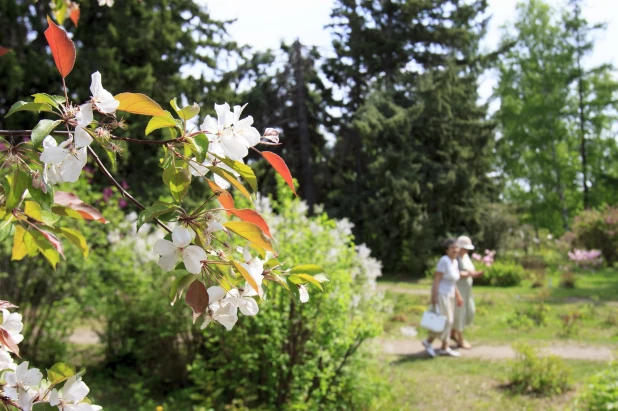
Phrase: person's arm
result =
(458, 297)
(477, 274)
(464, 274)
(434, 288)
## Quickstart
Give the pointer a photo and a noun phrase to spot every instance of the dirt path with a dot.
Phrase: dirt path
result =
(495, 352)
(402, 290)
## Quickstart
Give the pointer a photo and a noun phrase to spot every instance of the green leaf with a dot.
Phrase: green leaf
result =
(293, 289)
(46, 247)
(45, 200)
(311, 269)
(303, 278)
(178, 180)
(18, 184)
(154, 211)
(28, 106)
(158, 122)
(42, 130)
(6, 228)
(76, 238)
(45, 98)
(230, 179)
(201, 143)
(60, 372)
(181, 283)
(244, 170)
(186, 113)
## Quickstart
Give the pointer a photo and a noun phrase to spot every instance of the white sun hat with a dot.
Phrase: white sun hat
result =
(465, 242)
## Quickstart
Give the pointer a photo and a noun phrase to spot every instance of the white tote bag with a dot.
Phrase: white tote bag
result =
(433, 321)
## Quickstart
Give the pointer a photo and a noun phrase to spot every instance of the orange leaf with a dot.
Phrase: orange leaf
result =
(138, 103)
(74, 16)
(62, 48)
(197, 298)
(3, 51)
(224, 197)
(281, 168)
(251, 216)
(251, 232)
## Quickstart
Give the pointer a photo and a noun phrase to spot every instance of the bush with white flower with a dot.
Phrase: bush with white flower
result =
(22, 387)
(216, 278)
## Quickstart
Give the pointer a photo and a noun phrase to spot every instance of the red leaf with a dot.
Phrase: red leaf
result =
(3, 51)
(74, 16)
(281, 168)
(224, 197)
(197, 298)
(7, 342)
(5, 304)
(62, 48)
(72, 201)
(251, 216)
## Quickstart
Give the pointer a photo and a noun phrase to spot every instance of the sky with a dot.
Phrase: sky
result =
(263, 24)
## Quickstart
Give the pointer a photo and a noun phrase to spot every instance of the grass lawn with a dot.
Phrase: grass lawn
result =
(470, 384)
(595, 299)
(475, 384)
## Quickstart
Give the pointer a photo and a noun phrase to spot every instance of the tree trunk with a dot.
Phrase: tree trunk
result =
(582, 130)
(559, 187)
(308, 187)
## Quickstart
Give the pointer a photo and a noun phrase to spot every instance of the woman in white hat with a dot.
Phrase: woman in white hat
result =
(464, 314)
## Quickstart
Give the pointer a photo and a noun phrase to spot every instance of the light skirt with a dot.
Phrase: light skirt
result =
(464, 315)
(446, 306)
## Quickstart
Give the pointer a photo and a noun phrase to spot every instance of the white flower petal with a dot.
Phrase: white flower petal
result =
(164, 247)
(224, 115)
(96, 86)
(72, 166)
(12, 322)
(209, 126)
(234, 148)
(108, 104)
(304, 294)
(192, 257)
(75, 392)
(196, 169)
(168, 262)
(11, 392)
(248, 306)
(181, 237)
(82, 137)
(215, 293)
(49, 141)
(32, 377)
(54, 155)
(207, 321)
(85, 116)
(54, 398)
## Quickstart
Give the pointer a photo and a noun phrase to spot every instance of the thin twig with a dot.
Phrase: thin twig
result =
(124, 192)
(129, 140)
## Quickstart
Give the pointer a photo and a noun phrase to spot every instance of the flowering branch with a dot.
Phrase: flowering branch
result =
(120, 188)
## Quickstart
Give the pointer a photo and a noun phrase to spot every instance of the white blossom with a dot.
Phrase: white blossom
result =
(102, 99)
(6, 361)
(84, 117)
(223, 306)
(230, 134)
(70, 397)
(108, 3)
(11, 323)
(200, 170)
(303, 293)
(64, 162)
(18, 383)
(179, 247)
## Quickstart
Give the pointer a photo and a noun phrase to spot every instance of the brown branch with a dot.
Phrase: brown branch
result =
(124, 192)
(128, 140)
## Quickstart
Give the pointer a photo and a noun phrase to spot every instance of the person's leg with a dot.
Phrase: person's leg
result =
(447, 306)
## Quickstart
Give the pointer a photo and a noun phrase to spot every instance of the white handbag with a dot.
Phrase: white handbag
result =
(433, 321)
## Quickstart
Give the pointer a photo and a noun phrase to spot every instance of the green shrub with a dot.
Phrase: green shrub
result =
(502, 274)
(601, 392)
(534, 374)
(301, 356)
(598, 230)
(519, 320)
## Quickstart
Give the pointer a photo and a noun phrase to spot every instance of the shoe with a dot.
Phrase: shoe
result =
(449, 352)
(429, 348)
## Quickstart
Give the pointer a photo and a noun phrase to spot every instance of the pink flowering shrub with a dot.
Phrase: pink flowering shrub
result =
(585, 258)
(487, 259)
(598, 230)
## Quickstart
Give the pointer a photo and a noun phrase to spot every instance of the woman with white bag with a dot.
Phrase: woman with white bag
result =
(444, 296)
